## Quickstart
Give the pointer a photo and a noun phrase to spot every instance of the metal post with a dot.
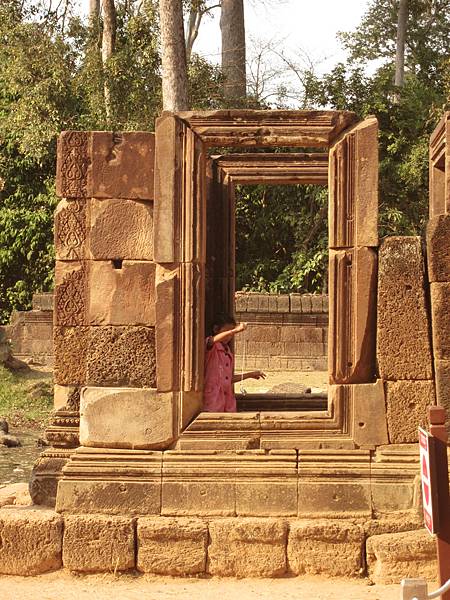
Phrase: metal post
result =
(439, 431)
(413, 589)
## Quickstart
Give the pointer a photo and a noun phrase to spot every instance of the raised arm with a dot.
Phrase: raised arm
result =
(223, 335)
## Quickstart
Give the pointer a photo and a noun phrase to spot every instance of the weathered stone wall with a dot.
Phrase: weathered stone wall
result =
(285, 332)
(389, 549)
(404, 337)
(31, 332)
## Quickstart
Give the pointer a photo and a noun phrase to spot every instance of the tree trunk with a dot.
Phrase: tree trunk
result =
(108, 44)
(94, 11)
(193, 26)
(174, 70)
(232, 26)
(401, 37)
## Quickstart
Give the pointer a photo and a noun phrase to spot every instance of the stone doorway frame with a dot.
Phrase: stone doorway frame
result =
(182, 180)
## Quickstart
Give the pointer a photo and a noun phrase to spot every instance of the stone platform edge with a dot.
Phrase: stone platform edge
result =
(36, 540)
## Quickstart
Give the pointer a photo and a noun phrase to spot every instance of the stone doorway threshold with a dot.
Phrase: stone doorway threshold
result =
(262, 402)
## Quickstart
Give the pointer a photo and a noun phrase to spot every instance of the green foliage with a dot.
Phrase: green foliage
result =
(51, 79)
(16, 403)
(281, 238)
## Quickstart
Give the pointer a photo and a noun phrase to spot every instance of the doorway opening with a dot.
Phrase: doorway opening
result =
(267, 249)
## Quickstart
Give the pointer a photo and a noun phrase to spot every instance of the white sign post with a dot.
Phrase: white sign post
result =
(427, 471)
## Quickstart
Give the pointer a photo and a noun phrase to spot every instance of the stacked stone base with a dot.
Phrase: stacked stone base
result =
(36, 540)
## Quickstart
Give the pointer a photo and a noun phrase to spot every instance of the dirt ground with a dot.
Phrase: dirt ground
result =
(63, 586)
(316, 380)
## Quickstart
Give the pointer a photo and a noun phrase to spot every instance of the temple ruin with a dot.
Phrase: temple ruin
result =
(145, 249)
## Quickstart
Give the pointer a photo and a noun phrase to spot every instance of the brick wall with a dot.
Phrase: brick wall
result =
(286, 332)
(31, 332)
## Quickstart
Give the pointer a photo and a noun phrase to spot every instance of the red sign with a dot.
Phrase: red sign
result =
(430, 512)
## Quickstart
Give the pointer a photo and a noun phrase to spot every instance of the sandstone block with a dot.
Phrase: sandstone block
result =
(241, 302)
(98, 543)
(123, 295)
(168, 171)
(332, 548)
(438, 248)
(306, 303)
(442, 375)
(269, 498)
(70, 345)
(71, 279)
(47, 471)
(440, 167)
(316, 303)
(295, 301)
(117, 497)
(125, 418)
(392, 557)
(16, 494)
(395, 523)
(247, 548)
(440, 310)
(111, 481)
(122, 165)
(73, 162)
(121, 356)
(120, 229)
(325, 499)
(167, 282)
(71, 230)
(172, 546)
(353, 187)
(283, 303)
(352, 327)
(30, 541)
(369, 414)
(102, 164)
(64, 396)
(198, 498)
(403, 347)
(266, 483)
(407, 405)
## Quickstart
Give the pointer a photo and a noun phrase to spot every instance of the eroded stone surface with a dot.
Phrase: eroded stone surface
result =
(122, 294)
(70, 345)
(438, 248)
(440, 310)
(403, 346)
(247, 547)
(353, 184)
(122, 165)
(71, 280)
(323, 547)
(442, 375)
(395, 556)
(407, 405)
(71, 230)
(98, 543)
(125, 418)
(120, 229)
(172, 546)
(30, 541)
(121, 356)
(353, 282)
